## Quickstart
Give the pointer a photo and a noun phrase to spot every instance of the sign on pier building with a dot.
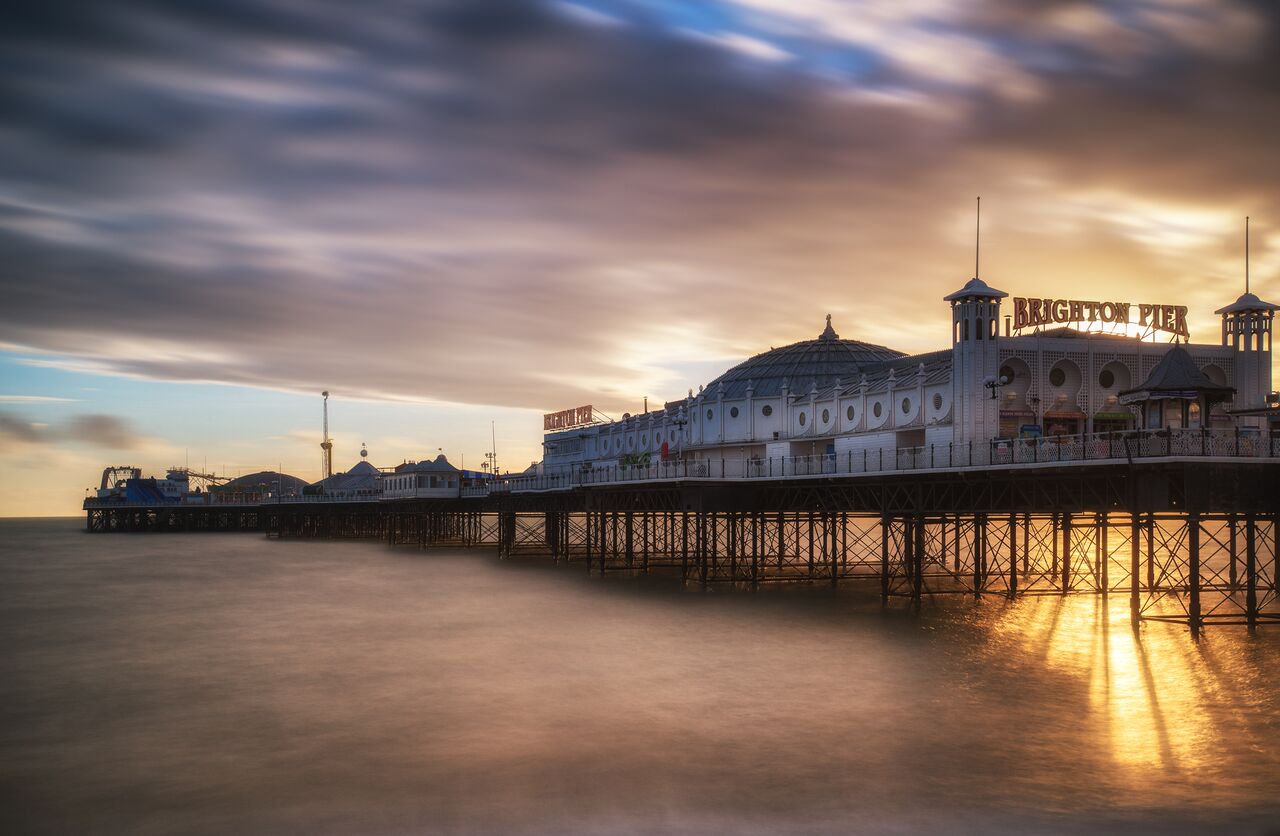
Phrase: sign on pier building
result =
(1057, 367)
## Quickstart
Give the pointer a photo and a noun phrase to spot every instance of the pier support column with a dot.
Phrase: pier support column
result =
(782, 540)
(835, 548)
(684, 546)
(756, 518)
(811, 545)
(646, 532)
(917, 560)
(1193, 573)
(1026, 544)
(629, 522)
(1251, 573)
(1013, 556)
(1233, 576)
(979, 528)
(1066, 553)
(1151, 553)
(884, 560)
(955, 537)
(731, 544)
(702, 546)
(1135, 569)
(1104, 554)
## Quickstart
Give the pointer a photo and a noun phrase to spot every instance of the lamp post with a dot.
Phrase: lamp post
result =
(680, 421)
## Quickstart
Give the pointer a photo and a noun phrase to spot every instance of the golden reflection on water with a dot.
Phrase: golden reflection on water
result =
(1158, 701)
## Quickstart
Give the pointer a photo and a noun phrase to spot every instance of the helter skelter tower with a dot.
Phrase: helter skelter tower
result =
(326, 446)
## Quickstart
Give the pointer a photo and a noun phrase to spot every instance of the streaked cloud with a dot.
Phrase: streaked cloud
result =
(34, 399)
(109, 432)
(541, 204)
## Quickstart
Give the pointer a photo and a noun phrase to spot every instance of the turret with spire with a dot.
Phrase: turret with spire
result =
(1247, 325)
(975, 329)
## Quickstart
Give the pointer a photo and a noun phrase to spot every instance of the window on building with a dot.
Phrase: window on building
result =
(1057, 377)
(877, 410)
(826, 416)
(733, 412)
(906, 405)
(766, 410)
(1007, 373)
(1107, 379)
(848, 413)
(709, 414)
(937, 401)
(802, 419)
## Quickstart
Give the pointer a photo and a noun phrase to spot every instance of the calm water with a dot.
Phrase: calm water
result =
(230, 684)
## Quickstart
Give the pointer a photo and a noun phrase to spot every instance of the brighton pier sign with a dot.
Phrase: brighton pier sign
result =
(567, 418)
(1036, 313)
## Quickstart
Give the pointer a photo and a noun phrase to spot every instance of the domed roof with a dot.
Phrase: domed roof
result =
(975, 288)
(1248, 302)
(801, 365)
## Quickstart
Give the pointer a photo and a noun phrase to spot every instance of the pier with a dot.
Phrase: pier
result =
(1190, 539)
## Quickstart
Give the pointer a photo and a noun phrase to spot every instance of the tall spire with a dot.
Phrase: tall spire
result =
(977, 238)
(1246, 253)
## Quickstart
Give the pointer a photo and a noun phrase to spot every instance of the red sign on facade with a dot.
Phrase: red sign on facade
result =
(567, 418)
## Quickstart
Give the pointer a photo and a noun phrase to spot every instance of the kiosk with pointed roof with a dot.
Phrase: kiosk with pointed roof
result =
(1176, 395)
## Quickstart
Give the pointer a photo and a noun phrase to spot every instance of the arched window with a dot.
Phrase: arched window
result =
(978, 329)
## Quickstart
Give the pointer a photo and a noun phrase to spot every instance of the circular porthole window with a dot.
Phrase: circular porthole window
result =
(906, 406)
(1107, 379)
(937, 401)
(1057, 377)
(766, 410)
(826, 416)
(1007, 373)
(877, 410)
(802, 419)
(848, 413)
(733, 412)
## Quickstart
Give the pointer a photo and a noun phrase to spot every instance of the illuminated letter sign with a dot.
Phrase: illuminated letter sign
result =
(567, 418)
(1034, 313)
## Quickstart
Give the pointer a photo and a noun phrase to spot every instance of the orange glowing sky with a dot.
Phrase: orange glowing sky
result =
(455, 212)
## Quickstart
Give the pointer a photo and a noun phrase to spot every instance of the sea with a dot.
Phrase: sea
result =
(234, 684)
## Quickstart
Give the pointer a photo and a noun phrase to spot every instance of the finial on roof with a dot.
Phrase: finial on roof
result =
(828, 333)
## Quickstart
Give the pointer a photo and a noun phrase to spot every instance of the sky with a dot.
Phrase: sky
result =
(458, 215)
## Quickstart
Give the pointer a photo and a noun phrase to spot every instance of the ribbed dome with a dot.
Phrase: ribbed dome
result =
(800, 365)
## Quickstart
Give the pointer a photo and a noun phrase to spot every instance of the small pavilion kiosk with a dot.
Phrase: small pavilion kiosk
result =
(1176, 395)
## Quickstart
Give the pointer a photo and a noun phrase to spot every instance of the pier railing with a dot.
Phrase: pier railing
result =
(1096, 447)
